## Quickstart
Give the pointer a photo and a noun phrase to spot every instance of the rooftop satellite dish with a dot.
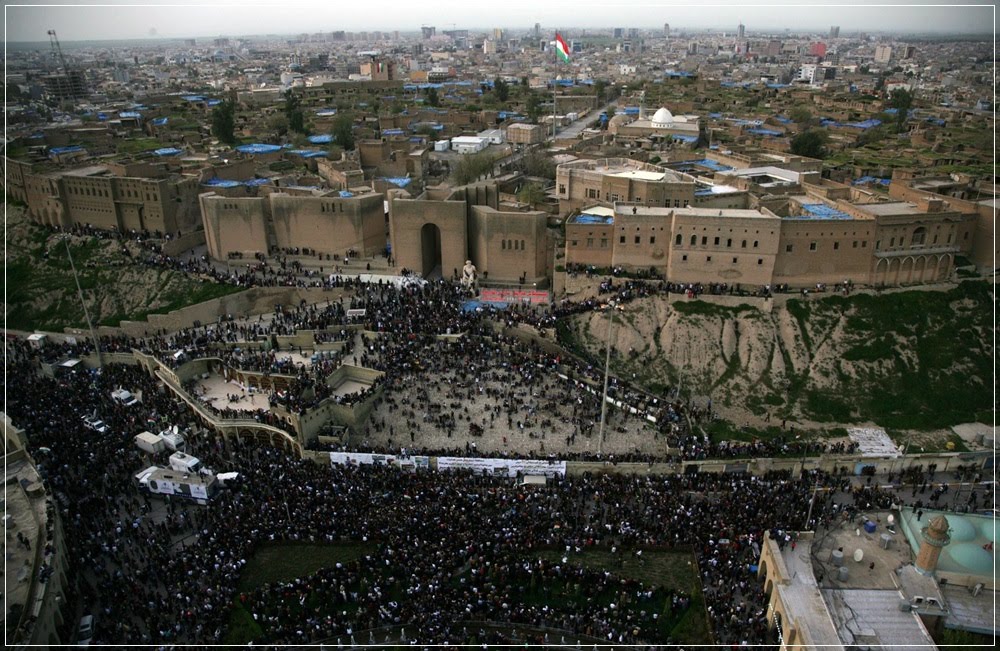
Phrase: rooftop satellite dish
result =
(891, 519)
(858, 555)
(175, 429)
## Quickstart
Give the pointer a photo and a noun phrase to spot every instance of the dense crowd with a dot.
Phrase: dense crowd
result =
(445, 549)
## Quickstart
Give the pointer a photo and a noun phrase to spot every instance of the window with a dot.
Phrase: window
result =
(855, 245)
(684, 258)
(503, 245)
(878, 244)
(636, 239)
(704, 240)
(572, 243)
(812, 246)
(836, 246)
(760, 261)
(686, 203)
(743, 245)
(677, 203)
(716, 241)
(892, 242)
(755, 244)
(592, 193)
(966, 237)
(734, 260)
(694, 240)
(788, 248)
(935, 239)
(652, 239)
(604, 242)
(615, 197)
(729, 243)
(522, 245)
(919, 235)
(708, 258)
(864, 244)
(590, 242)
(621, 240)
(949, 238)
(562, 189)
(677, 240)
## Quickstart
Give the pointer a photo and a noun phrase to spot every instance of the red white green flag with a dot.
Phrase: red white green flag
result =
(562, 49)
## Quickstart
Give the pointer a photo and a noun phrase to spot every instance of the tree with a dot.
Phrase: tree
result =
(432, 97)
(800, 115)
(343, 131)
(501, 88)
(536, 163)
(531, 193)
(293, 111)
(278, 124)
(901, 100)
(471, 167)
(811, 143)
(224, 122)
(533, 107)
(600, 86)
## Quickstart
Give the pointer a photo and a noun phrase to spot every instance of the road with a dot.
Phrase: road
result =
(574, 129)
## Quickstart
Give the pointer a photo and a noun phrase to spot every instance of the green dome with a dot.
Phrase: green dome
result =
(967, 557)
(962, 530)
(989, 529)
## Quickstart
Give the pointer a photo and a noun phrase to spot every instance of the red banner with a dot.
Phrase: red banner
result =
(532, 296)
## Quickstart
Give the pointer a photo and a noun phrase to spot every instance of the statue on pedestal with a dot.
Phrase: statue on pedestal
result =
(469, 275)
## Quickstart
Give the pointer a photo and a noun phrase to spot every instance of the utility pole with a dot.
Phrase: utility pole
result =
(607, 365)
(86, 312)
(812, 500)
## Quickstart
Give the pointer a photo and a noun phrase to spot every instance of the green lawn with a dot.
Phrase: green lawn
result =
(673, 570)
(286, 561)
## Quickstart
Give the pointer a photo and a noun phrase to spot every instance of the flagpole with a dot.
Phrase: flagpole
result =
(555, 51)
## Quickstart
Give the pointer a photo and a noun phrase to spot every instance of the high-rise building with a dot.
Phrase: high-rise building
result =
(883, 53)
(498, 34)
(618, 33)
(633, 33)
(428, 32)
(817, 50)
(835, 31)
(67, 86)
(741, 31)
(538, 30)
(666, 30)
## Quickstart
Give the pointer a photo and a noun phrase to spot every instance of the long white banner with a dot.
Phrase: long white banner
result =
(368, 459)
(509, 467)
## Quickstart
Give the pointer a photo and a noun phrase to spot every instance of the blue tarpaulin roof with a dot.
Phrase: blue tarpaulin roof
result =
(401, 181)
(321, 139)
(308, 153)
(764, 132)
(704, 162)
(867, 124)
(683, 138)
(168, 151)
(326, 112)
(631, 110)
(55, 151)
(130, 115)
(193, 98)
(821, 211)
(584, 218)
(159, 122)
(345, 194)
(214, 102)
(102, 116)
(258, 148)
(221, 183)
(256, 182)
(392, 132)
(870, 179)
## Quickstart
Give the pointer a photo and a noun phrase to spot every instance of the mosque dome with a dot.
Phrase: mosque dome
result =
(662, 119)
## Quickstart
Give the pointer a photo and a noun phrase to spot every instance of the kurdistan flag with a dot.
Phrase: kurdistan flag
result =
(561, 48)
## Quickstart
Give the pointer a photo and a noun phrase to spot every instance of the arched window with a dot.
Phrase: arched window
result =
(694, 240)
(744, 245)
(678, 240)
(919, 235)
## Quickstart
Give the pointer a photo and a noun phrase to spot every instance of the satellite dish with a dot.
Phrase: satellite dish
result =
(857, 532)
(891, 518)
(858, 555)
(175, 429)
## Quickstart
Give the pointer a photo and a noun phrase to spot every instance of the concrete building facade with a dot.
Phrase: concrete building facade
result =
(610, 180)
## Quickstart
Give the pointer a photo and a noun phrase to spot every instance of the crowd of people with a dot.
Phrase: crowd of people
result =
(446, 548)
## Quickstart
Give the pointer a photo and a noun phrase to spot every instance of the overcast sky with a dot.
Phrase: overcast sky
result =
(229, 18)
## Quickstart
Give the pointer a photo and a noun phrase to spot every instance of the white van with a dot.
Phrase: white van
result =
(126, 398)
(183, 462)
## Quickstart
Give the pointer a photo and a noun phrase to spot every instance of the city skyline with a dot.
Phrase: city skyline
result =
(30, 23)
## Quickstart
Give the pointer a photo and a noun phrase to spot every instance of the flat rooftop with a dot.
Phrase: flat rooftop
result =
(25, 514)
(872, 618)
(641, 174)
(891, 208)
(731, 213)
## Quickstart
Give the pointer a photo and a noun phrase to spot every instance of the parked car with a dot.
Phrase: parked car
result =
(85, 632)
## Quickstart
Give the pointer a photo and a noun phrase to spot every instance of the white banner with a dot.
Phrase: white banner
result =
(367, 459)
(508, 467)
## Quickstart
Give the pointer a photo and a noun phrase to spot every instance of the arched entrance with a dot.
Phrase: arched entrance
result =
(430, 247)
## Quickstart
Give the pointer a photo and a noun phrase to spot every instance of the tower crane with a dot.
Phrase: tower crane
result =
(57, 50)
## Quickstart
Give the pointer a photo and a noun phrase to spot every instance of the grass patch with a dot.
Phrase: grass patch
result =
(705, 308)
(243, 628)
(673, 570)
(287, 561)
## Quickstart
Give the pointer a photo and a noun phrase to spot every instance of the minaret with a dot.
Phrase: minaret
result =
(933, 539)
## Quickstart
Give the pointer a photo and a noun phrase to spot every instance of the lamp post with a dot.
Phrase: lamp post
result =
(612, 306)
(86, 312)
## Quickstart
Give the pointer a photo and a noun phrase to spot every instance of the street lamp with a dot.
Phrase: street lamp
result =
(612, 306)
(86, 312)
